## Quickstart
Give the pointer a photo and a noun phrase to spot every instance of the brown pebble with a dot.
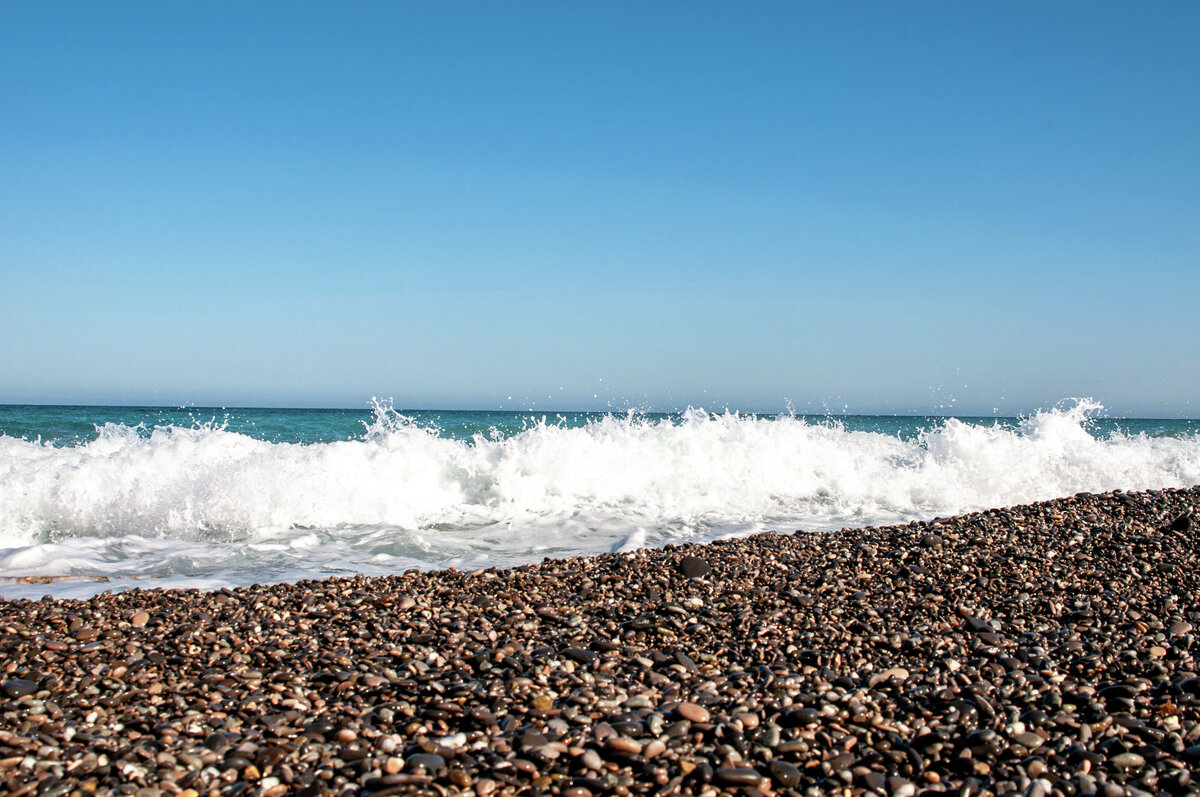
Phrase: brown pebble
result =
(139, 619)
(623, 745)
(693, 712)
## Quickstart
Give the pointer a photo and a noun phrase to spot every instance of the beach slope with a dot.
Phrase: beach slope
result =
(1044, 649)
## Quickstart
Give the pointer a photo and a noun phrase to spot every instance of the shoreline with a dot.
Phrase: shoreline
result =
(1040, 649)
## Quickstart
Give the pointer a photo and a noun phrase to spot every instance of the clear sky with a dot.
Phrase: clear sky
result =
(882, 206)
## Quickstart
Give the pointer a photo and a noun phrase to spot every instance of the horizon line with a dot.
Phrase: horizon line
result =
(609, 411)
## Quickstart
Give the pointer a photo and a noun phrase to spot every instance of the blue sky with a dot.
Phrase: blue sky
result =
(907, 207)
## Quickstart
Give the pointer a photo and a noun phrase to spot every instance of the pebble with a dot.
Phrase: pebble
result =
(785, 774)
(694, 567)
(738, 776)
(1128, 761)
(1030, 740)
(19, 687)
(749, 720)
(692, 712)
(592, 760)
(801, 717)
(581, 655)
(623, 745)
(429, 761)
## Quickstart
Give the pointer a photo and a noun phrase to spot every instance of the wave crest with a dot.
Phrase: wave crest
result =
(405, 490)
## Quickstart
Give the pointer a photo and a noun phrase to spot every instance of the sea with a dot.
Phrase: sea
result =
(111, 498)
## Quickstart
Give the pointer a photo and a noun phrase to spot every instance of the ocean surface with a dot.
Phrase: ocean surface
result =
(96, 498)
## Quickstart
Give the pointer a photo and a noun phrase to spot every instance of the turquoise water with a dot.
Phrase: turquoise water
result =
(111, 497)
(67, 425)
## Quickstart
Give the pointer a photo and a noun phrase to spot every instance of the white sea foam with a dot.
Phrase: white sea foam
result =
(206, 506)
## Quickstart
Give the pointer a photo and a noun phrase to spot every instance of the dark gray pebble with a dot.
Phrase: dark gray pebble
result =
(738, 776)
(429, 761)
(785, 774)
(694, 567)
(19, 687)
(581, 655)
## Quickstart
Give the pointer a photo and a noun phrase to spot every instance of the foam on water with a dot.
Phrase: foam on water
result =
(205, 506)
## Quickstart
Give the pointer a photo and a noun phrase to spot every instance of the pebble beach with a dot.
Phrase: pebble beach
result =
(1040, 650)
